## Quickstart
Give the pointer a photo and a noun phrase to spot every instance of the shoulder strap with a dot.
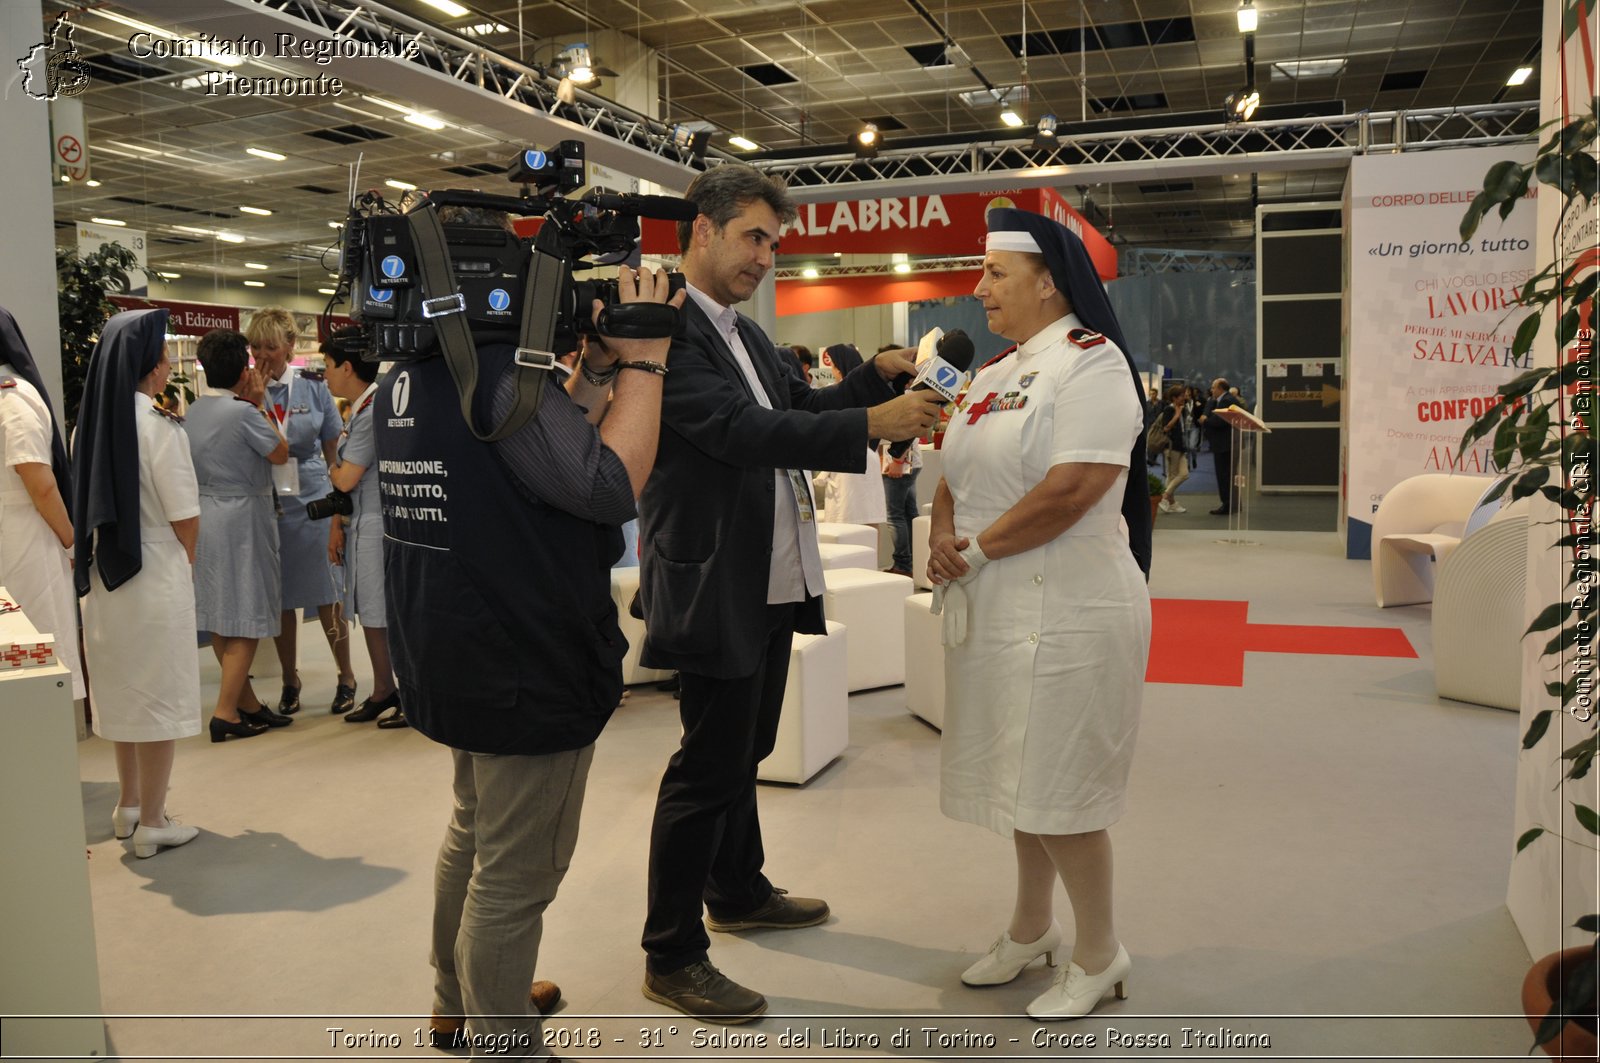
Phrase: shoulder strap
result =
(455, 337)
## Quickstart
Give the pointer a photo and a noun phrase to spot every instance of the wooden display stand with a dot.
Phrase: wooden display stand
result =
(1247, 428)
(50, 969)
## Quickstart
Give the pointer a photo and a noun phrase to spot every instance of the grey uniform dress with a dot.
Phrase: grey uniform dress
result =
(306, 412)
(363, 541)
(236, 579)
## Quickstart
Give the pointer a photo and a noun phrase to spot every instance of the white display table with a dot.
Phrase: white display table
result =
(47, 939)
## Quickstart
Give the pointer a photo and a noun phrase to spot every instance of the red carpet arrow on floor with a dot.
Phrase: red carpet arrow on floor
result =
(1203, 643)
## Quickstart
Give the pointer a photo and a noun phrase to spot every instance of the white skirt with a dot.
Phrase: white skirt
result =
(144, 668)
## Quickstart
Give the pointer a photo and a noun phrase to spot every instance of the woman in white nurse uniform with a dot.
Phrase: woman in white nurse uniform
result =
(35, 483)
(136, 517)
(1038, 555)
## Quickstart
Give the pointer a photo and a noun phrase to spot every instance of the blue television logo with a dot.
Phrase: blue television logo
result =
(499, 299)
(393, 266)
(534, 160)
(946, 378)
(380, 295)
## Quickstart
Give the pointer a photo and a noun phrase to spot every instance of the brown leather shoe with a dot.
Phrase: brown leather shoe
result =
(444, 1031)
(706, 993)
(780, 912)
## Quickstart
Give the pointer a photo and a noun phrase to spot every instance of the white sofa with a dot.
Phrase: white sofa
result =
(1478, 613)
(924, 661)
(848, 534)
(1418, 523)
(868, 603)
(921, 528)
(815, 726)
(624, 585)
(845, 555)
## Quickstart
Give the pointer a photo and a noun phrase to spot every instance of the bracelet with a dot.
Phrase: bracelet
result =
(598, 379)
(657, 368)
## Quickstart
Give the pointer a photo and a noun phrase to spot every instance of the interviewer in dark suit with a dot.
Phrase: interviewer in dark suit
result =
(730, 571)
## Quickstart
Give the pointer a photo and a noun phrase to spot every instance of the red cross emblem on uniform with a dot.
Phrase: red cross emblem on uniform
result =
(978, 409)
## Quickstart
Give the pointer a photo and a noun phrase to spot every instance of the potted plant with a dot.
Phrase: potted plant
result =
(1158, 487)
(1543, 440)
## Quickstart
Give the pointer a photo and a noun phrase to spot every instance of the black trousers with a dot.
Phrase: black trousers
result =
(1223, 459)
(705, 843)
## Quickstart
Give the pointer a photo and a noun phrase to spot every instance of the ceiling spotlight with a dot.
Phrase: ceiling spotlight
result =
(66, 178)
(327, 291)
(692, 140)
(263, 153)
(866, 141)
(168, 276)
(1011, 118)
(260, 212)
(426, 121)
(1044, 134)
(902, 267)
(810, 273)
(449, 7)
(743, 143)
(1520, 76)
(255, 284)
(230, 238)
(1240, 106)
(1247, 16)
(404, 186)
(93, 183)
(256, 265)
(108, 221)
(580, 64)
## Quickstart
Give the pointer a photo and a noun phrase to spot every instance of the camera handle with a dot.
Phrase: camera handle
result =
(455, 337)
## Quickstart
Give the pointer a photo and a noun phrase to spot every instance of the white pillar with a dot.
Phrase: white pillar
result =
(27, 269)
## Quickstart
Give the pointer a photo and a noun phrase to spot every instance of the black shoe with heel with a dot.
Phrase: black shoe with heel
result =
(289, 702)
(344, 699)
(370, 710)
(264, 717)
(221, 729)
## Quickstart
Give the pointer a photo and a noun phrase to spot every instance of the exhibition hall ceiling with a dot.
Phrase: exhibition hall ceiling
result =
(791, 76)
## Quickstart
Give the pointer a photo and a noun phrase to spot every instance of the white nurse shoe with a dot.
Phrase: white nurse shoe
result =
(1075, 994)
(1007, 958)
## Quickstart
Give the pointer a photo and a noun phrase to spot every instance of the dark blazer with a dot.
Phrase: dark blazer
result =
(1218, 431)
(706, 515)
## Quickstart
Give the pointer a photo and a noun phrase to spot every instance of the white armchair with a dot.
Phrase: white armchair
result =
(1418, 523)
(1478, 613)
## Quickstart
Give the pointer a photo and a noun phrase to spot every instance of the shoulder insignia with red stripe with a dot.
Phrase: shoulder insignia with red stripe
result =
(997, 358)
(1085, 338)
(8, 382)
(168, 414)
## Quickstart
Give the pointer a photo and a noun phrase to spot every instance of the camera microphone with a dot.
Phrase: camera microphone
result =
(943, 373)
(664, 208)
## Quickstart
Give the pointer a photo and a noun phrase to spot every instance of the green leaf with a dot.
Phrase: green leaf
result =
(1474, 216)
(1501, 181)
(1550, 616)
(1588, 923)
(1529, 482)
(1567, 327)
(1553, 170)
(1526, 333)
(1536, 729)
(1587, 817)
(1528, 838)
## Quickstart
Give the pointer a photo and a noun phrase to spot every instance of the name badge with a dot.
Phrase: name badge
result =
(802, 496)
(286, 478)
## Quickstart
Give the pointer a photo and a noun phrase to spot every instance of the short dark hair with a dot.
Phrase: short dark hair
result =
(223, 354)
(343, 345)
(721, 192)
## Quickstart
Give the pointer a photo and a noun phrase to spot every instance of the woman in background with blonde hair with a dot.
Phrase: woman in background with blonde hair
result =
(300, 405)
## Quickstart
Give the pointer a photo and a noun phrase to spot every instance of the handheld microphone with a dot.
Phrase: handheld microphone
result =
(944, 373)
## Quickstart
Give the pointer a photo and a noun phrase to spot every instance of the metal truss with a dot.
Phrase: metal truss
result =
(1144, 261)
(463, 60)
(877, 269)
(1287, 144)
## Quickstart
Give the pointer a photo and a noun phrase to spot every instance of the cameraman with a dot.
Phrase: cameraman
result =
(504, 636)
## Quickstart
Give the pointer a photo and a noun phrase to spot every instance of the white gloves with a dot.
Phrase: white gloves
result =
(950, 599)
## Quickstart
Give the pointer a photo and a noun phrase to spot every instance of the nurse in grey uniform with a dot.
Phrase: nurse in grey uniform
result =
(234, 445)
(305, 413)
(359, 547)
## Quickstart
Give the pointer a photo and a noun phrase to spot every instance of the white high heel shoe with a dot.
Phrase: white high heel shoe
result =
(1006, 958)
(124, 820)
(147, 840)
(1075, 994)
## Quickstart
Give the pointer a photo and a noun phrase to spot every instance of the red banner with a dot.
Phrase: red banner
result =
(950, 225)
(188, 319)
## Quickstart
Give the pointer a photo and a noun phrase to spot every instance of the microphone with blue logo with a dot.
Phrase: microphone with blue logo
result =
(942, 363)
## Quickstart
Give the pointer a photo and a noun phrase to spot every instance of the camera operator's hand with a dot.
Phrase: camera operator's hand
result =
(643, 286)
(891, 364)
(905, 417)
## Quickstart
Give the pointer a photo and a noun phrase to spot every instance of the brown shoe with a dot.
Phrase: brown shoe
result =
(706, 993)
(780, 912)
(444, 1031)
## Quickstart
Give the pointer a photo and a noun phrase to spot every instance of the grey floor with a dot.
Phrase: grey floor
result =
(1318, 857)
